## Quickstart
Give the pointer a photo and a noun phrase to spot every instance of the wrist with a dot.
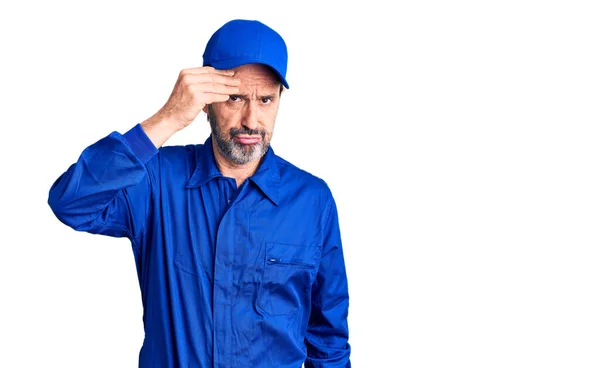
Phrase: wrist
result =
(159, 129)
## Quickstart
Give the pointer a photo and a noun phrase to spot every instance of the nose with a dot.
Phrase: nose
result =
(250, 116)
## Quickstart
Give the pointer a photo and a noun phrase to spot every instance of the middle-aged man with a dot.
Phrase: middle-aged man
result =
(238, 252)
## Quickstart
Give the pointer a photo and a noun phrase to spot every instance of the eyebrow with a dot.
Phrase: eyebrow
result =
(244, 96)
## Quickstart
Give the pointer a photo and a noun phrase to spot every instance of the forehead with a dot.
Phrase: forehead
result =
(256, 76)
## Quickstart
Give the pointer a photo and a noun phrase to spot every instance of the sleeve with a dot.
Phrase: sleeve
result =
(108, 190)
(327, 333)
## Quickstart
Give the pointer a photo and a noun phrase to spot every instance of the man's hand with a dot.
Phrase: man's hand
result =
(194, 89)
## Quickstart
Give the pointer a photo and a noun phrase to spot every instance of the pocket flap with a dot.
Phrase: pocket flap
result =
(292, 254)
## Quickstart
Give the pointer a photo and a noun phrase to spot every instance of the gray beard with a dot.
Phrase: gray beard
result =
(237, 153)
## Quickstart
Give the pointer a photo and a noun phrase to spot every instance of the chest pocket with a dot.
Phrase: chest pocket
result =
(288, 274)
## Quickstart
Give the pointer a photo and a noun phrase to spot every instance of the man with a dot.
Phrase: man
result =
(238, 252)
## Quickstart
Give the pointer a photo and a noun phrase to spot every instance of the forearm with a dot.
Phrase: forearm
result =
(160, 129)
(327, 334)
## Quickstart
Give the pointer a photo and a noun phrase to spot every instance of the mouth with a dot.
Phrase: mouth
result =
(247, 139)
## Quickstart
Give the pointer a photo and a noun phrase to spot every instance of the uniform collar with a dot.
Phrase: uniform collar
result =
(266, 177)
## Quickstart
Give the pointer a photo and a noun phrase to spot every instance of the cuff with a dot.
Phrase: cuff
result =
(140, 144)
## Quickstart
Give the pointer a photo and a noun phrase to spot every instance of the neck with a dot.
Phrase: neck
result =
(232, 170)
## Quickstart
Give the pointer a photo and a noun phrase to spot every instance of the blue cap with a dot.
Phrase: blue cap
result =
(240, 42)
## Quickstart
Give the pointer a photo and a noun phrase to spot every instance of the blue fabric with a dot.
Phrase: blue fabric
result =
(242, 41)
(230, 277)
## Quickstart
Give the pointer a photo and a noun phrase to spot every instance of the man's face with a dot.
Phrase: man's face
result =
(242, 127)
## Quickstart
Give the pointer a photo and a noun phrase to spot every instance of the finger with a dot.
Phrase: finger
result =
(215, 97)
(208, 70)
(211, 78)
(215, 88)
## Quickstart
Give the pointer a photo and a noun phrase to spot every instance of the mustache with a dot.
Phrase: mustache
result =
(235, 132)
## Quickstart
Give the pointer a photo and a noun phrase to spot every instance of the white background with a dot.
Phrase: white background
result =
(460, 139)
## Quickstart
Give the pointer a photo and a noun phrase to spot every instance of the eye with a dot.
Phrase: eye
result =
(266, 100)
(234, 98)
